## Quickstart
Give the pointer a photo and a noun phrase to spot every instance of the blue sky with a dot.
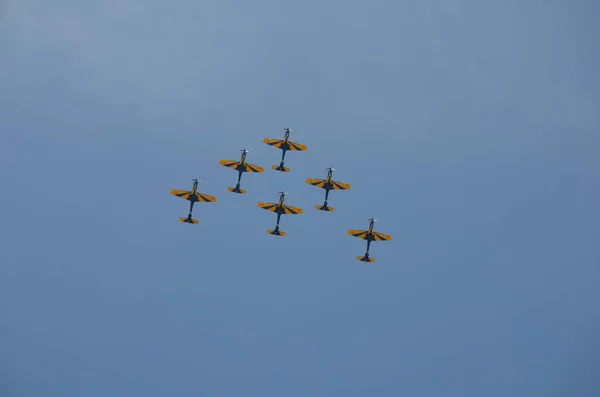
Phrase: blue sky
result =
(469, 129)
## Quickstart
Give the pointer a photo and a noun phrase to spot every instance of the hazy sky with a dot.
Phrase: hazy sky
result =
(469, 129)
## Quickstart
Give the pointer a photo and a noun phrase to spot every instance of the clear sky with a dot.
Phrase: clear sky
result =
(469, 129)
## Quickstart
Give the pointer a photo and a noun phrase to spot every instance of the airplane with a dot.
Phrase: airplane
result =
(285, 145)
(193, 197)
(370, 236)
(241, 167)
(328, 185)
(279, 209)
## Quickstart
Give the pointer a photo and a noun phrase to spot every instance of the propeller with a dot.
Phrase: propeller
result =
(195, 180)
(245, 151)
(330, 169)
(282, 192)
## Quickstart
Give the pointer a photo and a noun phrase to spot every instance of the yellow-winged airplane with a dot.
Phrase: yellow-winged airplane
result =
(328, 185)
(370, 236)
(241, 167)
(284, 144)
(279, 209)
(193, 197)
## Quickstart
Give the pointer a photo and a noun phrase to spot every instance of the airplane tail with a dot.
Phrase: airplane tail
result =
(280, 168)
(365, 259)
(276, 232)
(236, 190)
(189, 220)
(324, 207)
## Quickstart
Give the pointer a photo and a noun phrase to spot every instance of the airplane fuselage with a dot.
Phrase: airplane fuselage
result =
(371, 225)
(285, 145)
(193, 198)
(370, 237)
(280, 210)
(241, 166)
(328, 185)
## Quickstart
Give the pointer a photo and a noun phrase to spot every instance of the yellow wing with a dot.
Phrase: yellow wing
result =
(316, 182)
(340, 186)
(297, 146)
(184, 194)
(205, 198)
(359, 233)
(280, 144)
(229, 163)
(268, 206)
(289, 210)
(381, 237)
(253, 168)
(322, 183)
(273, 142)
(187, 195)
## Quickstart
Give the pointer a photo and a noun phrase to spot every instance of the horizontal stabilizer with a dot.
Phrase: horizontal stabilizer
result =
(365, 259)
(280, 168)
(324, 208)
(188, 220)
(276, 232)
(236, 190)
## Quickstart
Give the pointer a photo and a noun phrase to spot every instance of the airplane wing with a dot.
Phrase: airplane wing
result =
(297, 146)
(205, 198)
(316, 182)
(229, 163)
(359, 233)
(340, 185)
(268, 206)
(289, 210)
(253, 168)
(273, 142)
(381, 237)
(184, 194)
